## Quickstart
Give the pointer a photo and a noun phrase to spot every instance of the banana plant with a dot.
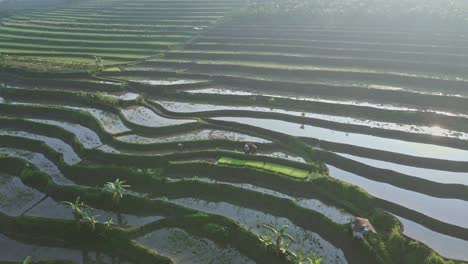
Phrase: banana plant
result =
(279, 239)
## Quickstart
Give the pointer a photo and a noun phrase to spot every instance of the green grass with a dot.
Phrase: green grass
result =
(64, 40)
(272, 167)
(92, 50)
(65, 33)
(64, 54)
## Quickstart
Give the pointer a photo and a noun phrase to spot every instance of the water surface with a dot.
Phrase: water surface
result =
(361, 140)
(184, 248)
(254, 221)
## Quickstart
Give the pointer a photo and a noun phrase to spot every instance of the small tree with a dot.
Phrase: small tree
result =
(278, 240)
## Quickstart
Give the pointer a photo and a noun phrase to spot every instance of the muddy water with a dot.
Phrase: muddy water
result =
(41, 162)
(428, 174)
(254, 220)
(181, 107)
(15, 197)
(390, 107)
(206, 134)
(334, 214)
(184, 248)
(87, 137)
(110, 121)
(146, 117)
(450, 211)
(361, 140)
(446, 246)
(69, 155)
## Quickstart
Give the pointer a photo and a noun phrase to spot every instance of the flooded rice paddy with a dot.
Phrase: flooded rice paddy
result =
(207, 134)
(181, 107)
(254, 220)
(361, 140)
(146, 117)
(400, 92)
(184, 248)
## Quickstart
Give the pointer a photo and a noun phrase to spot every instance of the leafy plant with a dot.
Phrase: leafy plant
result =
(3, 59)
(78, 208)
(27, 260)
(109, 223)
(82, 217)
(301, 258)
(117, 188)
(279, 239)
(89, 221)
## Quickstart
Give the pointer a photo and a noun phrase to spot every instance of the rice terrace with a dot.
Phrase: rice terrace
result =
(234, 131)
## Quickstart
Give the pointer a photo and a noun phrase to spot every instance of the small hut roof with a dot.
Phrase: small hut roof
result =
(360, 223)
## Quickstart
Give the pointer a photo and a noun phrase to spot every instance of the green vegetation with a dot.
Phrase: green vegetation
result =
(288, 171)
(279, 240)
(287, 57)
(117, 188)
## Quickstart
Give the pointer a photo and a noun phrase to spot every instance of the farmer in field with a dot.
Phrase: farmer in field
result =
(180, 147)
(250, 148)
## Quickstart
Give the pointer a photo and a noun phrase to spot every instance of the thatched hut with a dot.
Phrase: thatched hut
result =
(360, 227)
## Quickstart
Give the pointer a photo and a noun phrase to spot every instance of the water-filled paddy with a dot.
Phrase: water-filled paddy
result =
(367, 141)
(184, 248)
(390, 107)
(69, 155)
(15, 197)
(125, 96)
(50, 208)
(207, 134)
(428, 174)
(146, 117)
(446, 246)
(331, 212)
(165, 82)
(87, 137)
(450, 211)
(110, 121)
(254, 220)
(181, 107)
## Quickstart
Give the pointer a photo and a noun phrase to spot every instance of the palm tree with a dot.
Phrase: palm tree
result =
(281, 247)
(117, 188)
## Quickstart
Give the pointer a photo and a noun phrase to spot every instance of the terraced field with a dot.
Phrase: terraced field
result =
(348, 121)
